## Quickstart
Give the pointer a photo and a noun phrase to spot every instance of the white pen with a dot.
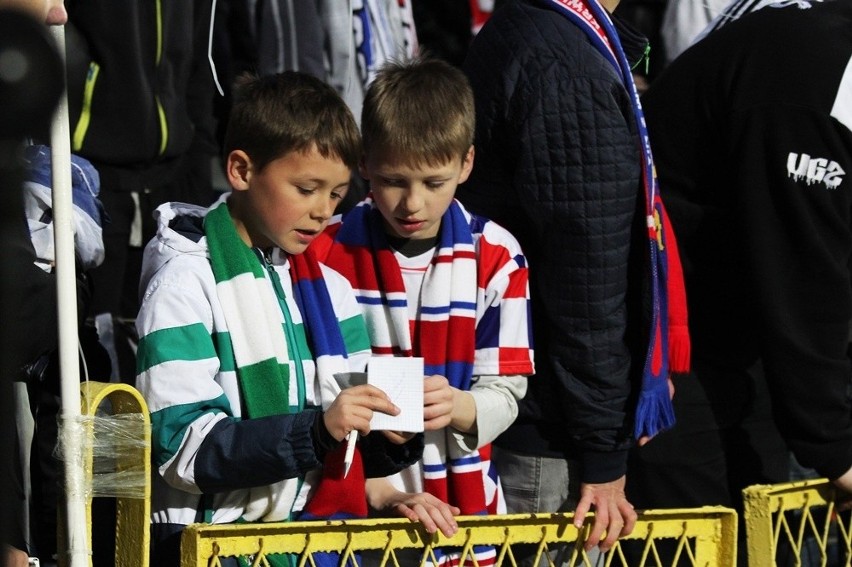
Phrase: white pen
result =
(351, 439)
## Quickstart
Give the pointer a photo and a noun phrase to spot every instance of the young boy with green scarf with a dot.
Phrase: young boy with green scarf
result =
(241, 332)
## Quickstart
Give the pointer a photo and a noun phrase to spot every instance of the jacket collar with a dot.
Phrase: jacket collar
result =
(635, 45)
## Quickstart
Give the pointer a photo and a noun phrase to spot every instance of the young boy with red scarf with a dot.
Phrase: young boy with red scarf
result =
(437, 282)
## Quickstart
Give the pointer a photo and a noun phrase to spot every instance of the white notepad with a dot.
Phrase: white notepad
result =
(402, 380)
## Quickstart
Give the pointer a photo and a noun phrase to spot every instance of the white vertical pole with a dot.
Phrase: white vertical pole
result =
(70, 432)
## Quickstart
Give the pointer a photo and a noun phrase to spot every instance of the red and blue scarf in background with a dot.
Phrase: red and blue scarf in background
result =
(669, 345)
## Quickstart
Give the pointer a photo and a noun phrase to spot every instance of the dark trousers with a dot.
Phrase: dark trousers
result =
(116, 281)
(724, 440)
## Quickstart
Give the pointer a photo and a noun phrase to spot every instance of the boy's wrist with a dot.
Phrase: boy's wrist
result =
(322, 439)
(463, 416)
(378, 492)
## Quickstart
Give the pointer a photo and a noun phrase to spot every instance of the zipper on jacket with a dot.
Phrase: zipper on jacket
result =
(296, 356)
(86, 112)
(289, 331)
(164, 126)
(161, 113)
(158, 6)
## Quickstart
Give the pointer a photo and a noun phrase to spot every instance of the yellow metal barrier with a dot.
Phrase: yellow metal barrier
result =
(703, 537)
(795, 523)
(132, 529)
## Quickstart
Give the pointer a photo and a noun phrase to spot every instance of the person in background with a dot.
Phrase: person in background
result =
(27, 294)
(563, 163)
(140, 99)
(684, 21)
(752, 133)
(51, 12)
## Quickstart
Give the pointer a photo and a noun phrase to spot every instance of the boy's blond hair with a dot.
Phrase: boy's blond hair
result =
(274, 115)
(418, 111)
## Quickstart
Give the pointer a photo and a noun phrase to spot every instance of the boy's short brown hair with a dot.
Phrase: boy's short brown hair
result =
(274, 115)
(419, 111)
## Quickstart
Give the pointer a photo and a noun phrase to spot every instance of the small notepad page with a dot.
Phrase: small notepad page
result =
(402, 380)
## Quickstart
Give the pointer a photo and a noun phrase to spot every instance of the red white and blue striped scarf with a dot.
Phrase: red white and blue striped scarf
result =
(444, 333)
(668, 346)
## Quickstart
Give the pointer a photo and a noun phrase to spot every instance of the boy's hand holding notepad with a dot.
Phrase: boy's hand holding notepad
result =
(402, 380)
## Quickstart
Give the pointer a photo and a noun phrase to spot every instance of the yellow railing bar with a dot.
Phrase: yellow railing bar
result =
(713, 530)
(132, 529)
(767, 525)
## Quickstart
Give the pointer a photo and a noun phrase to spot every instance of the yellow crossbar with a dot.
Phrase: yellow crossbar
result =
(798, 518)
(705, 536)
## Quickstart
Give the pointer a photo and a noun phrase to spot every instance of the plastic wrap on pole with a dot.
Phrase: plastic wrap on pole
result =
(78, 551)
(110, 446)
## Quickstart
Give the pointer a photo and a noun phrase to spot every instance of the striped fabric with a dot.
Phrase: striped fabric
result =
(254, 316)
(469, 291)
(198, 342)
(259, 339)
(739, 8)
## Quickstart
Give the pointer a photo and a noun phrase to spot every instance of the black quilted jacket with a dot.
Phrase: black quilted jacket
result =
(558, 164)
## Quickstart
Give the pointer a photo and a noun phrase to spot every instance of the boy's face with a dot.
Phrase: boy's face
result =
(412, 200)
(289, 202)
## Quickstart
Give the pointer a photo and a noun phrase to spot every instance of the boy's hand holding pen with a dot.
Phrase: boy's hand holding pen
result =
(350, 414)
(387, 378)
(353, 409)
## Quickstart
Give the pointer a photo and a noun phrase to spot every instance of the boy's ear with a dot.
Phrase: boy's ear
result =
(238, 170)
(467, 165)
(362, 168)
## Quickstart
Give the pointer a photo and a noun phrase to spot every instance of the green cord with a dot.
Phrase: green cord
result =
(646, 57)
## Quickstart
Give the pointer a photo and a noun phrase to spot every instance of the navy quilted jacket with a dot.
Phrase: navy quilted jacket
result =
(558, 164)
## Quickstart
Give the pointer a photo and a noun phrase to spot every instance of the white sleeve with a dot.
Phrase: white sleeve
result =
(496, 399)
